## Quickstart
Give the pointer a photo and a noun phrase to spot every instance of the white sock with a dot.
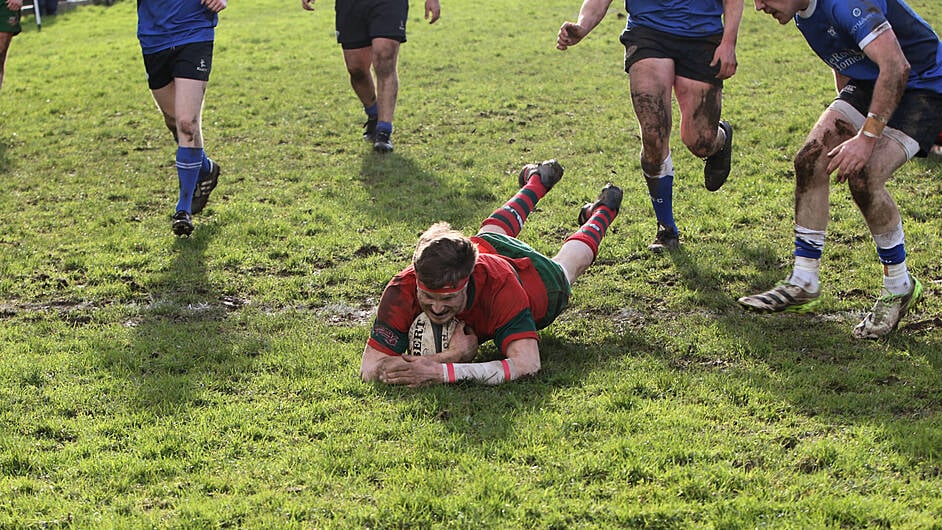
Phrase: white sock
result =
(896, 278)
(805, 274)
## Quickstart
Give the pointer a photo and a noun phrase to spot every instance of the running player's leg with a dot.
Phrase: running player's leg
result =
(800, 291)
(5, 39)
(188, 104)
(359, 62)
(651, 85)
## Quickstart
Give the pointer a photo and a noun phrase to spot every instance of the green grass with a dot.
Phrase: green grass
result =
(148, 381)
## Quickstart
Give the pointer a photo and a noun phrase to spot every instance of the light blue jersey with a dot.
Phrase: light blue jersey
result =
(838, 31)
(685, 18)
(163, 24)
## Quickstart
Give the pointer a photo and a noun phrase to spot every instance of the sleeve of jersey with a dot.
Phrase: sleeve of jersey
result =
(860, 19)
(393, 317)
(521, 326)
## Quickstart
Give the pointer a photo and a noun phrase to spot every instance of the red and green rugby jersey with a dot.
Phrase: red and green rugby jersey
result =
(500, 307)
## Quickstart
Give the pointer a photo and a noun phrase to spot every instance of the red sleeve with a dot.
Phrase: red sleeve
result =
(398, 307)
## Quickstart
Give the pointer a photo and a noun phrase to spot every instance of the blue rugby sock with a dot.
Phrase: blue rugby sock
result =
(661, 191)
(205, 165)
(189, 162)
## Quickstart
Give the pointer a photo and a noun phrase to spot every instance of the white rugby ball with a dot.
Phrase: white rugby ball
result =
(428, 338)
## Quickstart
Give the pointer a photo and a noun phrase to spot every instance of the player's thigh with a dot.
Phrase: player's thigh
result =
(811, 161)
(651, 82)
(654, 75)
(165, 98)
(700, 103)
(358, 60)
(832, 128)
(888, 156)
(188, 99)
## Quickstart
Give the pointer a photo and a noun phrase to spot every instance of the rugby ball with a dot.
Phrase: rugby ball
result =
(428, 338)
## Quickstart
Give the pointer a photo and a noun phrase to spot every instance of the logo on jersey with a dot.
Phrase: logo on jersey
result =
(856, 12)
(386, 335)
(844, 59)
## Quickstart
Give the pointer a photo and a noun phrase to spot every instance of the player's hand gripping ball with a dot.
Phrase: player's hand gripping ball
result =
(428, 338)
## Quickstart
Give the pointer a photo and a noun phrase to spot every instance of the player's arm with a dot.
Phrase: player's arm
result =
(523, 359)
(851, 156)
(590, 14)
(725, 53)
(371, 363)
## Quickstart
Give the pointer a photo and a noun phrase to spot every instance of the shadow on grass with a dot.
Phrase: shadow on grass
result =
(705, 277)
(893, 384)
(821, 370)
(4, 160)
(485, 416)
(183, 349)
(401, 189)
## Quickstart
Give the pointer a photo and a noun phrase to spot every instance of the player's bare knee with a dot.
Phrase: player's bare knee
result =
(188, 130)
(385, 68)
(861, 189)
(358, 75)
(701, 147)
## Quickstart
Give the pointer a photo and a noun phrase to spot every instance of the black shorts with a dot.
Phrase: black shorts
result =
(190, 61)
(358, 22)
(917, 114)
(9, 19)
(691, 56)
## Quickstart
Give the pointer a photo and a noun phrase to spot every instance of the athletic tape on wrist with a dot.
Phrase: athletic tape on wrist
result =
(489, 373)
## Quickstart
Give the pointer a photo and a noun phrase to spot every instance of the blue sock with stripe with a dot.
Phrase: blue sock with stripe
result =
(661, 191)
(189, 162)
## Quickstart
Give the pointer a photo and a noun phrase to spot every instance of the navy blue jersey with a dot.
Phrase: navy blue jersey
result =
(163, 24)
(839, 30)
(685, 18)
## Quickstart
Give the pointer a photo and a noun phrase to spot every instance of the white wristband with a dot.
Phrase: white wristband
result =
(489, 373)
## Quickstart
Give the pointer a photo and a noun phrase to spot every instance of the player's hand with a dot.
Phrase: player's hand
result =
(851, 156)
(433, 10)
(215, 5)
(14, 5)
(411, 370)
(569, 35)
(725, 56)
(462, 347)
(308, 5)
